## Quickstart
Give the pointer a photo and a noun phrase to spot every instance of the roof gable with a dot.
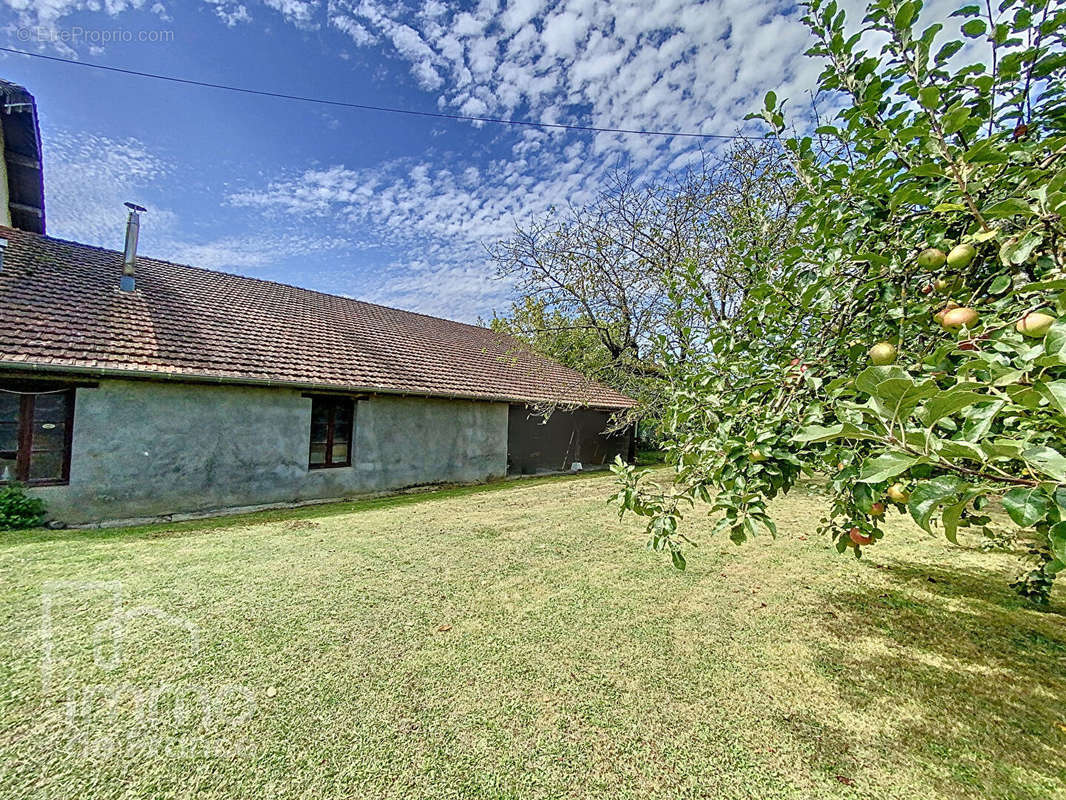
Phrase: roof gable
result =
(60, 307)
(22, 157)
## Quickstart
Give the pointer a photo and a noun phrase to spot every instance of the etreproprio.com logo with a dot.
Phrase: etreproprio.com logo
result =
(96, 36)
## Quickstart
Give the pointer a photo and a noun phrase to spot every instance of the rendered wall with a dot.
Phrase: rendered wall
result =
(5, 207)
(145, 448)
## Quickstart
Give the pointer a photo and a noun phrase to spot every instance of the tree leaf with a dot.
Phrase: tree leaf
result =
(950, 520)
(1057, 535)
(1055, 340)
(1026, 506)
(900, 396)
(959, 448)
(820, 433)
(999, 285)
(979, 421)
(867, 380)
(1008, 208)
(943, 208)
(928, 495)
(1047, 460)
(1016, 251)
(1055, 393)
(947, 402)
(929, 97)
(905, 15)
(955, 119)
(948, 50)
(885, 466)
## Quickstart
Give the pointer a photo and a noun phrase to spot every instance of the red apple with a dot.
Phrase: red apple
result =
(858, 537)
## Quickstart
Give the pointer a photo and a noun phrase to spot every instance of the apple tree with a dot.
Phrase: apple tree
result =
(911, 345)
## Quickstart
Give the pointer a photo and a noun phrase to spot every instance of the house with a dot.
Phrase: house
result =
(132, 387)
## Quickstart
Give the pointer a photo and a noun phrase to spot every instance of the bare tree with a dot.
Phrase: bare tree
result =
(625, 265)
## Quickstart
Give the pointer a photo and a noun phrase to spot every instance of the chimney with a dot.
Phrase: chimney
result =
(3, 246)
(129, 262)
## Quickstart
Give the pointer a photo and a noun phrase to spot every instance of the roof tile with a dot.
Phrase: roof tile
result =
(60, 306)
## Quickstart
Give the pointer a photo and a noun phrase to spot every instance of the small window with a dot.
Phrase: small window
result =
(35, 436)
(332, 423)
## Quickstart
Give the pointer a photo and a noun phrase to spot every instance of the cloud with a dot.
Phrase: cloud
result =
(248, 253)
(88, 178)
(671, 65)
(438, 216)
(355, 31)
(562, 33)
(231, 13)
(47, 12)
(462, 292)
(298, 12)
(352, 18)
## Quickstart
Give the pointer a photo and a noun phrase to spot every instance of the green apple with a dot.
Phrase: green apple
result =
(1034, 324)
(897, 493)
(959, 318)
(961, 255)
(931, 258)
(882, 354)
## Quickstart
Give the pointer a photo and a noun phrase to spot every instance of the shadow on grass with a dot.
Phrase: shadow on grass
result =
(214, 524)
(985, 671)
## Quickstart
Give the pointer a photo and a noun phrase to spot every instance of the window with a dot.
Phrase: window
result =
(35, 436)
(332, 421)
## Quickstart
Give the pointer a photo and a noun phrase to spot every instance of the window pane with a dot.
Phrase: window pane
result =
(340, 453)
(49, 408)
(9, 436)
(49, 435)
(319, 410)
(341, 434)
(342, 428)
(46, 465)
(318, 430)
(9, 407)
(318, 454)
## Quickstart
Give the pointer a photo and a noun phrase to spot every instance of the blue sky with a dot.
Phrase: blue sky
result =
(387, 208)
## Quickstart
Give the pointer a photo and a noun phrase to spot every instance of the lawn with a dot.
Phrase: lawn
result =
(516, 641)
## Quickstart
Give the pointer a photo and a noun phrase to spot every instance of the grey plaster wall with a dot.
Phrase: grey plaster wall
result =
(146, 449)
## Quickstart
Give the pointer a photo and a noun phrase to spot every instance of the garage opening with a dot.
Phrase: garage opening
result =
(565, 438)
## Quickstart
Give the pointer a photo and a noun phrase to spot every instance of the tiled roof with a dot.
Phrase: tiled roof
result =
(61, 308)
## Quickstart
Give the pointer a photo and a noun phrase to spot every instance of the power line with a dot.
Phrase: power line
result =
(364, 107)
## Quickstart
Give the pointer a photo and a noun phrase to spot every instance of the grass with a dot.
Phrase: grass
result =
(516, 641)
(650, 458)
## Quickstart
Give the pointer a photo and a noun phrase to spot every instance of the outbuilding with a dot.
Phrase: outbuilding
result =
(135, 388)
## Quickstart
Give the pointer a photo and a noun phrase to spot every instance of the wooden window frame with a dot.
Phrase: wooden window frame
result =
(24, 454)
(335, 402)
